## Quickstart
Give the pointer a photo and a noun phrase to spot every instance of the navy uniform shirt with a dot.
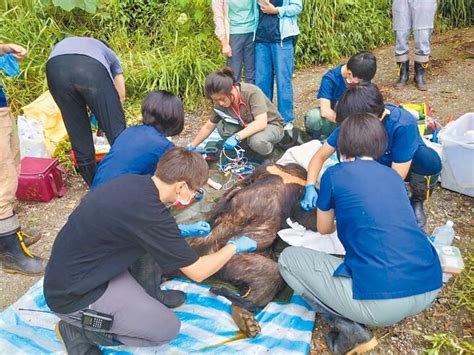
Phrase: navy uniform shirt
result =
(333, 86)
(137, 150)
(387, 254)
(268, 29)
(403, 136)
(3, 97)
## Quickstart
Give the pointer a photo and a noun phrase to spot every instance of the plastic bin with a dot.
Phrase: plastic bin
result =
(457, 139)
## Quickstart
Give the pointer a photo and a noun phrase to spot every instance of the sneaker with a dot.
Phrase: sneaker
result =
(289, 126)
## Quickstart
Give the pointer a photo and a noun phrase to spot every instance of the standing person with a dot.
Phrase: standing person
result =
(235, 24)
(138, 149)
(242, 112)
(406, 152)
(275, 39)
(361, 67)
(82, 73)
(90, 260)
(416, 15)
(390, 271)
(14, 254)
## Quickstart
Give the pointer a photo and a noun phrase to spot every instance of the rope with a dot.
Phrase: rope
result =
(234, 166)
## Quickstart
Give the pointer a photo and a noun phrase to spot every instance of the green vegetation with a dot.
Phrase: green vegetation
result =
(447, 343)
(170, 44)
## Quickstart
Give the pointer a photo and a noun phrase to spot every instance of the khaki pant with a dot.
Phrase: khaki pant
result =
(310, 271)
(9, 163)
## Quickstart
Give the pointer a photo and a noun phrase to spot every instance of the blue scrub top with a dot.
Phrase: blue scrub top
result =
(332, 86)
(136, 150)
(387, 254)
(403, 136)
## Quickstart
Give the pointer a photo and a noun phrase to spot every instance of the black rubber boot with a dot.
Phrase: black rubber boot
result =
(79, 341)
(420, 75)
(17, 259)
(422, 187)
(148, 274)
(403, 73)
(349, 337)
(346, 336)
(10, 224)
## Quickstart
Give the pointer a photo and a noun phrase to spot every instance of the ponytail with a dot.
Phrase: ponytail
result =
(219, 82)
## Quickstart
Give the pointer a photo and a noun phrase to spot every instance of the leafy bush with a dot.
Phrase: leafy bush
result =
(170, 44)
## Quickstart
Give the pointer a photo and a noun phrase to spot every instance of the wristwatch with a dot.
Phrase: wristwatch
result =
(237, 137)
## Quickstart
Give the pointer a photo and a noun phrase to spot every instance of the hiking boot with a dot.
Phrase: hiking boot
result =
(354, 339)
(79, 341)
(403, 73)
(420, 75)
(16, 258)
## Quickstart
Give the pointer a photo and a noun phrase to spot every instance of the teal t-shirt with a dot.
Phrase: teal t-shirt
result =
(241, 16)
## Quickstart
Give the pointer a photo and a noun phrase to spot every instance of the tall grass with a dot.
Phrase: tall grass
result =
(169, 44)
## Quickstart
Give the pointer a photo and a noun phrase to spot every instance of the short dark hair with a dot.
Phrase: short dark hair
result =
(219, 82)
(363, 65)
(179, 164)
(164, 111)
(362, 134)
(365, 97)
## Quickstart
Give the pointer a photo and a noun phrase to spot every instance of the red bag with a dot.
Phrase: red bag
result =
(41, 179)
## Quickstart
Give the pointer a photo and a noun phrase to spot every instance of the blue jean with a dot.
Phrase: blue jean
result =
(276, 60)
(426, 161)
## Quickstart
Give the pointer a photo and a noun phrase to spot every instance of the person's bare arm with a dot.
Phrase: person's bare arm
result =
(119, 82)
(203, 133)
(326, 111)
(258, 125)
(325, 221)
(18, 51)
(317, 162)
(208, 265)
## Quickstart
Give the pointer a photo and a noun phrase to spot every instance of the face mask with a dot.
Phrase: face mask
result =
(183, 203)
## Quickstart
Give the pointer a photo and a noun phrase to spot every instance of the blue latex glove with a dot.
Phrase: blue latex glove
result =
(9, 64)
(310, 198)
(244, 244)
(231, 142)
(198, 229)
(190, 147)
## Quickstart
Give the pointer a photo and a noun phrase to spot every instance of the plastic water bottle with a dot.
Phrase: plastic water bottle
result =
(444, 235)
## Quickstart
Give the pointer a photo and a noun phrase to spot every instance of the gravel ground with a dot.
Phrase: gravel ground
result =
(450, 79)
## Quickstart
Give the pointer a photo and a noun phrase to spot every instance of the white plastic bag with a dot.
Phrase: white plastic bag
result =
(457, 139)
(31, 134)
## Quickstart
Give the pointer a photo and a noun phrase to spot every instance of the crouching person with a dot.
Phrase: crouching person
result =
(390, 270)
(242, 114)
(114, 225)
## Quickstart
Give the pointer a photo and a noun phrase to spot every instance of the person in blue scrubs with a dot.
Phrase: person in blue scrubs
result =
(360, 68)
(406, 152)
(138, 149)
(390, 271)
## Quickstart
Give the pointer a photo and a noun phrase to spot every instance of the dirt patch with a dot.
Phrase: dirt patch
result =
(450, 79)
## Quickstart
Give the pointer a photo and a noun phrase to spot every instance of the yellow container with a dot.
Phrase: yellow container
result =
(422, 113)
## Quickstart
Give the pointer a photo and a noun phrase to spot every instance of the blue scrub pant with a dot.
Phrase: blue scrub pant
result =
(276, 60)
(426, 161)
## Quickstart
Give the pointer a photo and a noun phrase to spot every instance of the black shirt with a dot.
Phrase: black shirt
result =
(268, 29)
(111, 228)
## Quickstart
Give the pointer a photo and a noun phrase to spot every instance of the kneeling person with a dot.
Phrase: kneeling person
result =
(242, 112)
(390, 270)
(114, 226)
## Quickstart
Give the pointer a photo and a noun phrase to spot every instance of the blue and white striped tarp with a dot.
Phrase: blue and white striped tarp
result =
(206, 326)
